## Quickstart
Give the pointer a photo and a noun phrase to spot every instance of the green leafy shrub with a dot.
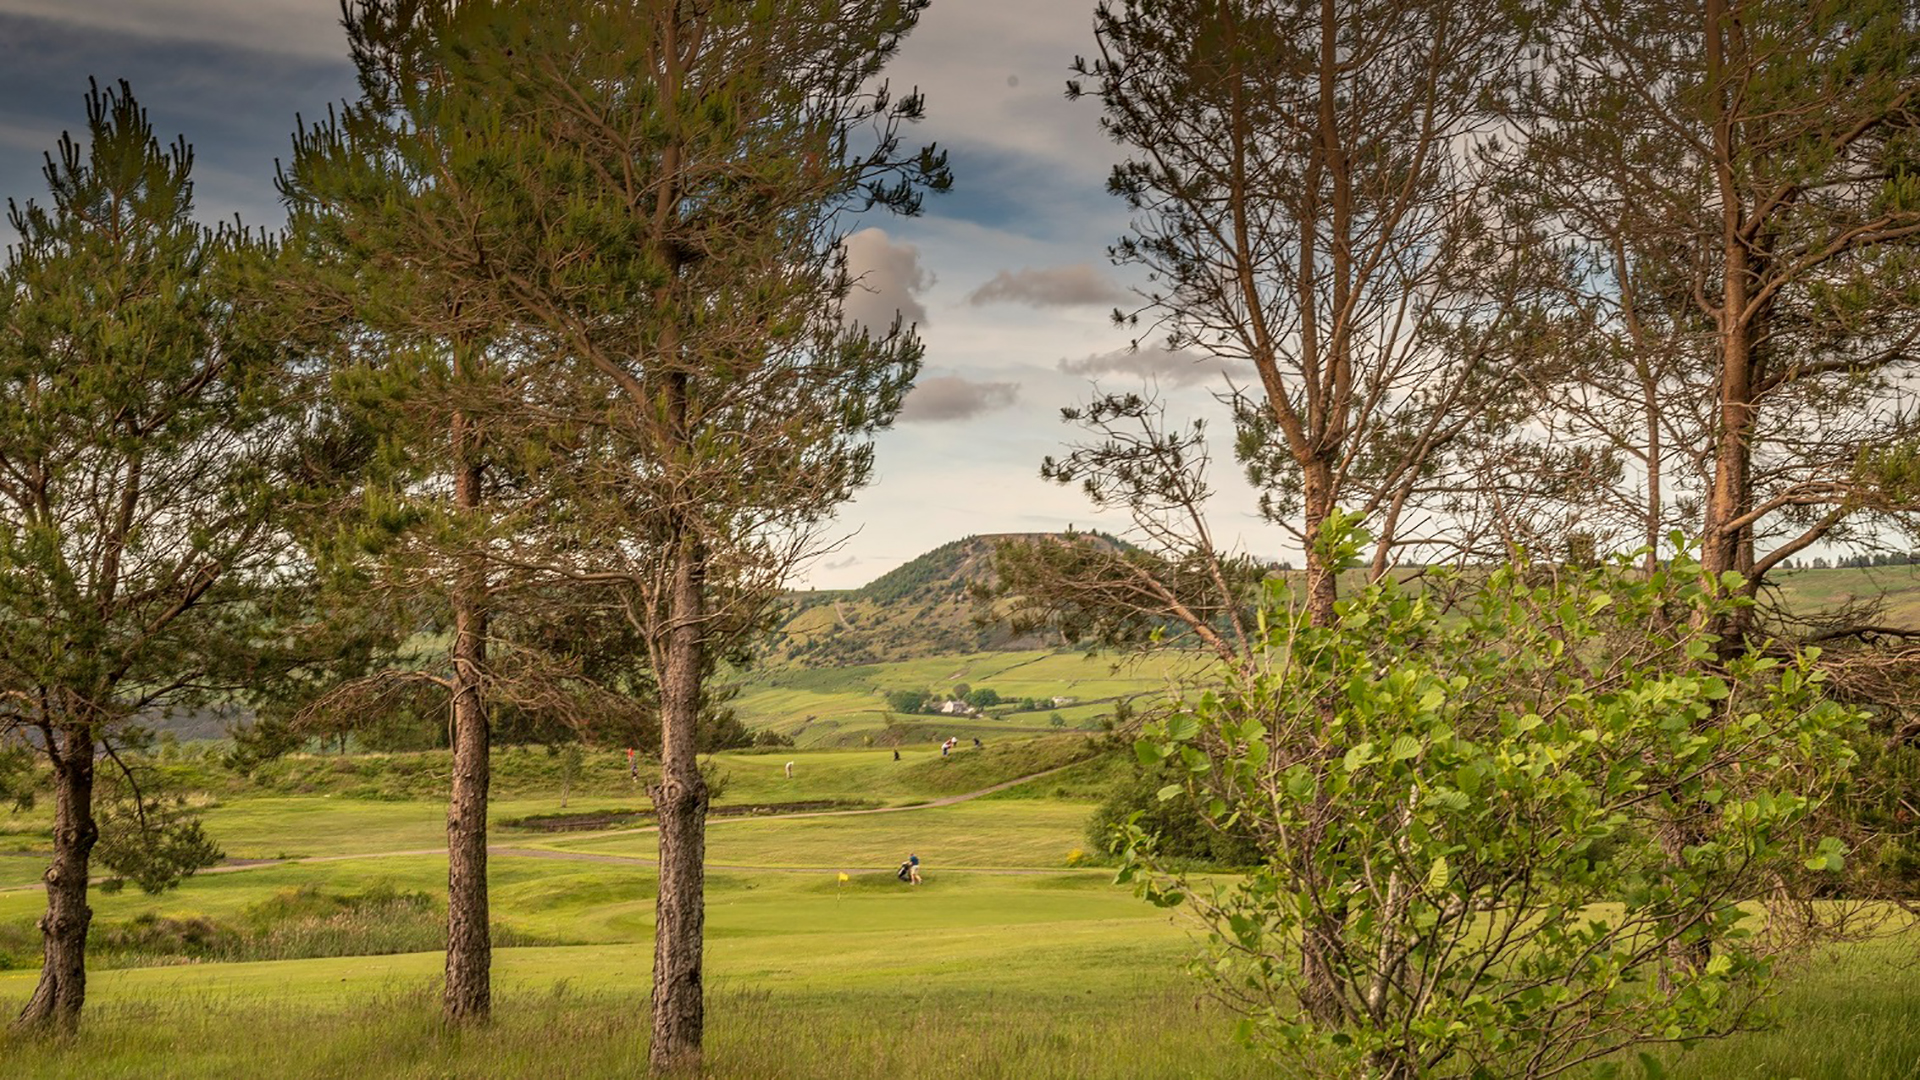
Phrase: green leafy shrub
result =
(1179, 826)
(1506, 838)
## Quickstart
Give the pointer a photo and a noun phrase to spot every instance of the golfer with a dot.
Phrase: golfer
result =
(913, 869)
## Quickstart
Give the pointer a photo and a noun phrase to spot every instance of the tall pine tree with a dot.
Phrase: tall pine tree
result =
(146, 422)
(651, 194)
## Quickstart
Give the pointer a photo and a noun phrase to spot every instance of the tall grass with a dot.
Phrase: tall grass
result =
(1832, 1026)
(294, 924)
(568, 1034)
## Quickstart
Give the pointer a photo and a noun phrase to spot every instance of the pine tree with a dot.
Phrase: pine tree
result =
(148, 420)
(1738, 183)
(649, 196)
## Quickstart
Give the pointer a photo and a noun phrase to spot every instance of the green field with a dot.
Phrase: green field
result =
(1895, 590)
(846, 706)
(1012, 961)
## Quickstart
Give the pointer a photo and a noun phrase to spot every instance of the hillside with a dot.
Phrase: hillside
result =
(931, 607)
(927, 607)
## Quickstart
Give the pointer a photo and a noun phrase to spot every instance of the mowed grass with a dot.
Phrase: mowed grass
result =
(969, 975)
(996, 833)
(311, 826)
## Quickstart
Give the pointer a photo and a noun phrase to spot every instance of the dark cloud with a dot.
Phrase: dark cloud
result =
(887, 278)
(1172, 368)
(291, 27)
(948, 397)
(1060, 286)
(235, 102)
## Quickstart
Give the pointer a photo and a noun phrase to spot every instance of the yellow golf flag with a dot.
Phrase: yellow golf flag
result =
(844, 877)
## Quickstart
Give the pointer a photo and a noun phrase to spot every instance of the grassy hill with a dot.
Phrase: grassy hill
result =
(825, 678)
(927, 607)
(931, 606)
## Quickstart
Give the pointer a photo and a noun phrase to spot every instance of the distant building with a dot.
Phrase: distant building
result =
(955, 708)
(1059, 701)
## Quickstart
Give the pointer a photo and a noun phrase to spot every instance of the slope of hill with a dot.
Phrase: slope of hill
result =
(931, 607)
(927, 607)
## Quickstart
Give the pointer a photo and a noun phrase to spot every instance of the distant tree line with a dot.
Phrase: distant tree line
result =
(924, 701)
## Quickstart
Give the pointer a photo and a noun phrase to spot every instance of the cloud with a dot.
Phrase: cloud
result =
(288, 27)
(1173, 368)
(1061, 286)
(887, 278)
(235, 103)
(949, 397)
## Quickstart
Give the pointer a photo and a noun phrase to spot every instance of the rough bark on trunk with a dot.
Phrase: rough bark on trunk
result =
(62, 990)
(1723, 546)
(680, 802)
(1650, 402)
(469, 991)
(1317, 503)
(1323, 992)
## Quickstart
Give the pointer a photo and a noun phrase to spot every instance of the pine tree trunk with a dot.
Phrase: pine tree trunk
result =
(1692, 956)
(680, 801)
(1322, 993)
(1724, 546)
(1317, 506)
(469, 992)
(62, 990)
(1650, 403)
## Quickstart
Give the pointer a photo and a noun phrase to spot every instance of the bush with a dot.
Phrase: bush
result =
(1179, 827)
(293, 924)
(1506, 838)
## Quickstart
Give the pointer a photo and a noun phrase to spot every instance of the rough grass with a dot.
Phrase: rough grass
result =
(1852, 1014)
(567, 1032)
(291, 924)
(1897, 588)
(1125, 1018)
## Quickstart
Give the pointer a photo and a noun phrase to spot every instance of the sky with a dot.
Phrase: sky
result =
(1006, 277)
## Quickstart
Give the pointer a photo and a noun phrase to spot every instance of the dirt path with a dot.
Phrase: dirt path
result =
(509, 851)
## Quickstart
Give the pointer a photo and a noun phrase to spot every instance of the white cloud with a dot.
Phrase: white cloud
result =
(1173, 368)
(1060, 286)
(949, 397)
(887, 278)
